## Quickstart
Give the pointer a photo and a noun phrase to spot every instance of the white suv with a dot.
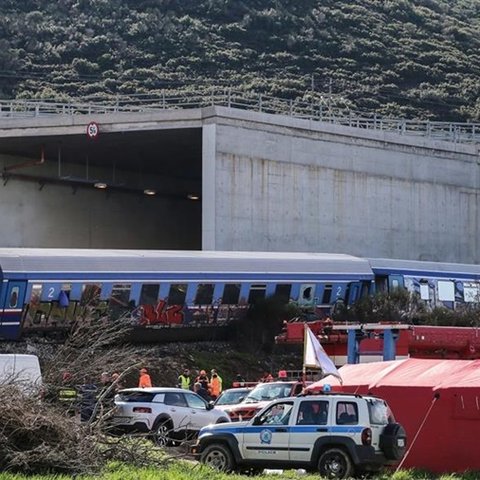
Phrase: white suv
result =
(338, 435)
(165, 413)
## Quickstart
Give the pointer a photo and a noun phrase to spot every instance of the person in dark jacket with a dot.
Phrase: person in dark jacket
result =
(203, 379)
(88, 400)
(202, 392)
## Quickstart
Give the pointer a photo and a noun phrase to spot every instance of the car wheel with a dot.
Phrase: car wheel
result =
(335, 463)
(218, 456)
(161, 432)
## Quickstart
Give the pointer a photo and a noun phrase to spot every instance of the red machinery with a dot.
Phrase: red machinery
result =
(411, 340)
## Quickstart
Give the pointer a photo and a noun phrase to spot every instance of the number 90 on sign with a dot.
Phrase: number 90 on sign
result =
(92, 130)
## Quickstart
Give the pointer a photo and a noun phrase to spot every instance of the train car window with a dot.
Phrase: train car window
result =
(149, 294)
(177, 294)
(446, 291)
(306, 295)
(231, 294)
(283, 291)
(327, 294)
(381, 283)
(204, 294)
(424, 290)
(90, 294)
(36, 295)
(119, 300)
(395, 282)
(257, 292)
(471, 292)
(13, 302)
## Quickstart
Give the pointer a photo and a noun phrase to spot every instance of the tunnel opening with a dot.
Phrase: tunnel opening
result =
(135, 190)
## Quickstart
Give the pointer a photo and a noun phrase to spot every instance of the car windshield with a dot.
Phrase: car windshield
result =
(269, 391)
(231, 397)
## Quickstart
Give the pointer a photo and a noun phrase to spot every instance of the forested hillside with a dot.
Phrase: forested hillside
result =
(413, 58)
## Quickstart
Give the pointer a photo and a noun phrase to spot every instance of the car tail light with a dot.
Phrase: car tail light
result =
(142, 410)
(366, 436)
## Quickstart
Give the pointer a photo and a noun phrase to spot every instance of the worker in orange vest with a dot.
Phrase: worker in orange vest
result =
(145, 380)
(215, 384)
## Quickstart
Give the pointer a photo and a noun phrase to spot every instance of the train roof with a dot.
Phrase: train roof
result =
(421, 268)
(99, 260)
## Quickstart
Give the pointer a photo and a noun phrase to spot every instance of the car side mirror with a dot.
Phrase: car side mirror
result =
(256, 421)
(210, 405)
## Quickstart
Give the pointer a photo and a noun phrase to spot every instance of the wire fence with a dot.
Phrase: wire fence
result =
(321, 111)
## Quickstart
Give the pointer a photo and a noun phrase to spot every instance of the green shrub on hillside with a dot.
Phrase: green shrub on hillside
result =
(416, 58)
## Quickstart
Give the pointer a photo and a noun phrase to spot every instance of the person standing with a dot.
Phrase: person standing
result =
(203, 379)
(68, 395)
(215, 384)
(184, 380)
(202, 392)
(88, 400)
(144, 381)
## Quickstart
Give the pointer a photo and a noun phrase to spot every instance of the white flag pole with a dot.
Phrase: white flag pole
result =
(304, 368)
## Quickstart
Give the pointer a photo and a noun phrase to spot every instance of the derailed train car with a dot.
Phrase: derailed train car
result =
(184, 295)
(166, 293)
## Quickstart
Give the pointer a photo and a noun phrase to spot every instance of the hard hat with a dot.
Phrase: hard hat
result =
(282, 374)
(143, 370)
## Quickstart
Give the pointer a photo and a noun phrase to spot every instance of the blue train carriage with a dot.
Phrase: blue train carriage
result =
(46, 290)
(437, 284)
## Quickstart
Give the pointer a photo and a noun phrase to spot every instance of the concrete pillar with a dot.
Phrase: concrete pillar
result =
(209, 152)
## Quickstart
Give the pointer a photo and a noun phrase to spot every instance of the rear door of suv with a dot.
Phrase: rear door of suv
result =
(349, 418)
(310, 422)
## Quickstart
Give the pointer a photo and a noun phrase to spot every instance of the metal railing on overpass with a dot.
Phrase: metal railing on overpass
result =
(457, 132)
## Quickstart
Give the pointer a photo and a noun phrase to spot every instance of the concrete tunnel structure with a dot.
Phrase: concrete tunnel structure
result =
(229, 179)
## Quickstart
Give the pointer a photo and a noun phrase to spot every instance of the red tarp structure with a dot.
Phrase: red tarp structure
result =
(437, 402)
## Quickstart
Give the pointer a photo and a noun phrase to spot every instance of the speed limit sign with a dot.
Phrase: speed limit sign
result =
(92, 130)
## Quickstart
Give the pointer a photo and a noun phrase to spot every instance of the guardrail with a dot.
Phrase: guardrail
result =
(321, 111)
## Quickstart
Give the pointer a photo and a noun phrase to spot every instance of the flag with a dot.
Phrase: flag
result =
(314, 356)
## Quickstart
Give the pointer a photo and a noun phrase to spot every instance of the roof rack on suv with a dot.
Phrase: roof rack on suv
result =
(320, 392)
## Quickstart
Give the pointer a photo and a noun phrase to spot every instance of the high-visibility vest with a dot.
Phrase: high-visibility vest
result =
(145, 380)
(67, 395)
(216, 386)
(184, 382)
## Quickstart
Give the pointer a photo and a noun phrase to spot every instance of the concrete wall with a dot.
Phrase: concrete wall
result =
(291, 185)
(268, 183)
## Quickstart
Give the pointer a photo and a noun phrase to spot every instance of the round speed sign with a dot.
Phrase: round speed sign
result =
(92, 130)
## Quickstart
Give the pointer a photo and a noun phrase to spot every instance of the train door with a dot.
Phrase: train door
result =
(11, 310)
(354, 292)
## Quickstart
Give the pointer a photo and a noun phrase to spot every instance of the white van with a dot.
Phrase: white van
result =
(23, 370)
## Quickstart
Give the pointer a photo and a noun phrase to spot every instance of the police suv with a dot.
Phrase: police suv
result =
(339, 435)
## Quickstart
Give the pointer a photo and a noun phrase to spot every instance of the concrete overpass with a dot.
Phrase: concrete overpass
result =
(231, 179)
